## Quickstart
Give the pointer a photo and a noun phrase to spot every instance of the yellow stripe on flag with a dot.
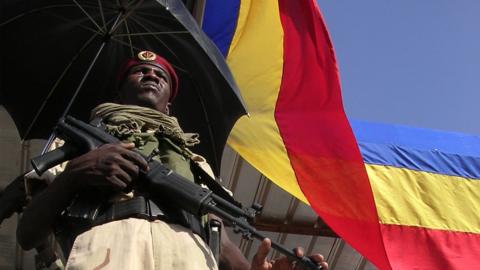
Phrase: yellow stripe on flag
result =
(256, 61)
(435, 201)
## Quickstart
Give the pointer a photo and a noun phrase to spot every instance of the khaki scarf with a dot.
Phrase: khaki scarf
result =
(129, 119)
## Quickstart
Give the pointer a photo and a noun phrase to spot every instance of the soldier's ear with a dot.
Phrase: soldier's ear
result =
(167, 108)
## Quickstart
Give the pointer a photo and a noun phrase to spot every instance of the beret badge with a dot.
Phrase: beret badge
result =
(146, 56)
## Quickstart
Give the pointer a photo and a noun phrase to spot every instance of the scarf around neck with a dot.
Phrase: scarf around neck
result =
(136, 119)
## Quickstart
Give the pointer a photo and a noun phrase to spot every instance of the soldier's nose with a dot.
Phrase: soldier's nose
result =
(151, 75)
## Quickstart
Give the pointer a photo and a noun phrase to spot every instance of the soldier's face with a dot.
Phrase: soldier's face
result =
(146, 85)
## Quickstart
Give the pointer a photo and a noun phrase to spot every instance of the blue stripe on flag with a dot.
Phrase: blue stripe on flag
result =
(427, 161)
(418, 149)
(220, 21)
(417, 138)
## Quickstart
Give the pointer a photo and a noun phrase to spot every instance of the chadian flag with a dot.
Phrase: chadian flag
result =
(427, 190)
(297, 134)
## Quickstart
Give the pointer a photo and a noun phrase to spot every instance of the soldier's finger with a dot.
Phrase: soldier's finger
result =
(299, 251)
(136, 158)
(130, 168)
(260, 257)
(127, 145)
(122, 175)
(116, 182)
(317, 258)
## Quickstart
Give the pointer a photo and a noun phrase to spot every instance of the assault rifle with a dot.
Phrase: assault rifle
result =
(81, 137)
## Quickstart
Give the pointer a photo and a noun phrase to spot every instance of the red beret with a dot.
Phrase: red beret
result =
(148, 57)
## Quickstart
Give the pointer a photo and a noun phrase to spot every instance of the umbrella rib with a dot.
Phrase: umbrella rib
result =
(161, 41)
(80, 85)
(88, 16)
(126, 16)
(78, 24)
(100, 7)
(152, 33)
(57, 82)
(131, 3)
(143, 13)
(129, 38)
(121, 42)
(34, 11)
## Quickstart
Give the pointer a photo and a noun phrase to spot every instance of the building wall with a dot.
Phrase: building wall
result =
(13, 159)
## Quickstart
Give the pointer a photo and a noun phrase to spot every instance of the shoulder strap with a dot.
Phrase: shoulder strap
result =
(213, 185)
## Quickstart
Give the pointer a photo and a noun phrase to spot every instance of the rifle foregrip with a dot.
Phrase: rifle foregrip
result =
(44, 162)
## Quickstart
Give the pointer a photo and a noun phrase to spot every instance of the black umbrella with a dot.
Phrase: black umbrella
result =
(53, 49)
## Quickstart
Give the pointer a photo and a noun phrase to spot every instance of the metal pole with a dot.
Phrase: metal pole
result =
(198, 11)
(24, 158)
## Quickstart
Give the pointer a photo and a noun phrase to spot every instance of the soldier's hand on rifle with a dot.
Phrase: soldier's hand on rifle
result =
(111, 165)
(260, 261)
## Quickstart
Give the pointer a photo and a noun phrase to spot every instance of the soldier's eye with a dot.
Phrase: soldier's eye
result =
(161, 74)
(136, 71)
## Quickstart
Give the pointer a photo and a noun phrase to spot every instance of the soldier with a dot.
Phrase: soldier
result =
(100, 221)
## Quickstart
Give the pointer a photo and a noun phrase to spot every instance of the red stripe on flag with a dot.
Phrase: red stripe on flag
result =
(421, 248)
(318, 138)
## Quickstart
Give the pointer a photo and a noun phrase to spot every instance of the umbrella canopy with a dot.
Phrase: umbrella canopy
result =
(52, 50)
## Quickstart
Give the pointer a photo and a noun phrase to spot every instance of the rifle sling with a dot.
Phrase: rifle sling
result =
(213, 185)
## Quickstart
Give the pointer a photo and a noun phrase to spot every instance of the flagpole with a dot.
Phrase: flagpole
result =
(198, 11)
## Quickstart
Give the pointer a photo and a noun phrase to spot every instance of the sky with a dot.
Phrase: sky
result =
(409, 62)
